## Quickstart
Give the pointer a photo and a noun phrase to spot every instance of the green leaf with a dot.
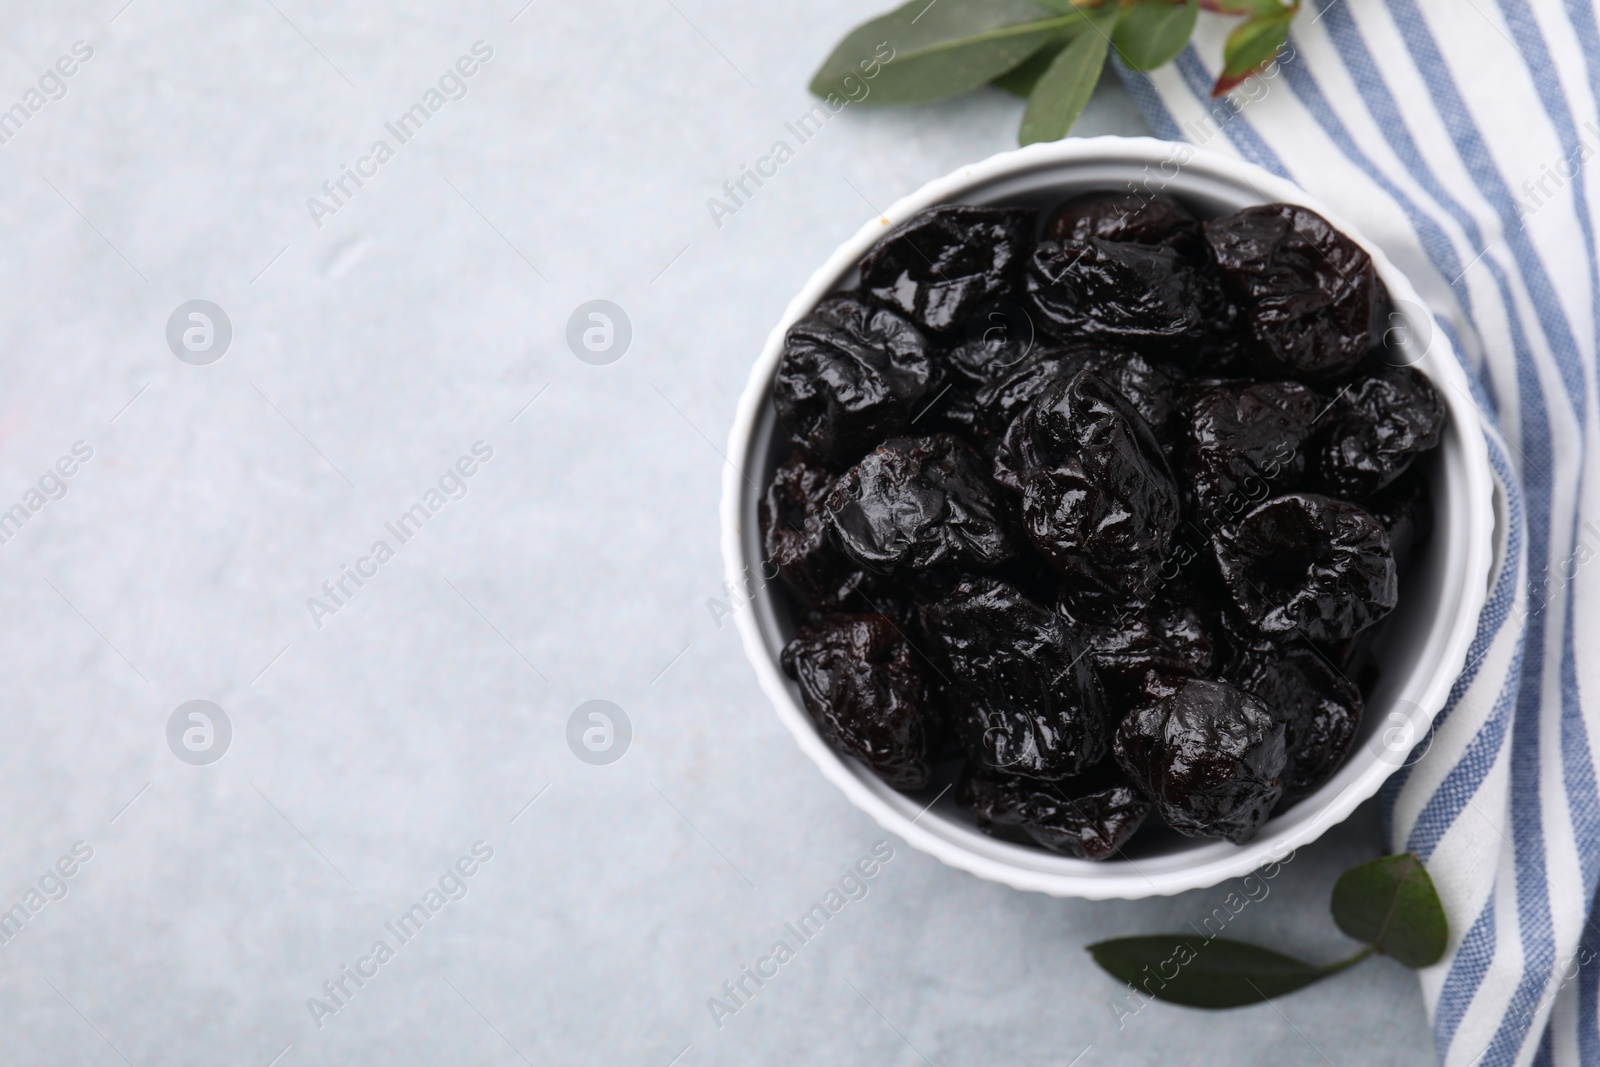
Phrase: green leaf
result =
(1250, 47)
(1153, 32)
(1063, 90)
(1020, 80)
(932, 50)
(1199, 973)
(1391, 903)
(1254, 42)
(1246, 7)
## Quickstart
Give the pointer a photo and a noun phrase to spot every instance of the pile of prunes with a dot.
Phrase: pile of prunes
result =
(1107, 510)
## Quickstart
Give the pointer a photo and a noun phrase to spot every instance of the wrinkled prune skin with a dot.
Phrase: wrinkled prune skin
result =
(1167, 638)
(1309, 563)
(1405, 509)
(979, 361)
(938, 267)
(970, 367)
(1115, 291)
(1209, 755)
(851, 375)
(1379, 425)
(1310, 298)
(1089, 817)
(1004, 396)
(1003, 399)
(919, 510)
(1319, 708)
(1034, 705)
(864, 687)
(1149, 385)
(794, 532)
(1246, 439)
(1098, 499)
(1153, 220)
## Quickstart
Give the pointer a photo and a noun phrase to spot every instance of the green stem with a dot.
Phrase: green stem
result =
(1335, 968)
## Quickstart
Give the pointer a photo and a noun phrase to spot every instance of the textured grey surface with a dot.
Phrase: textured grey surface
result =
(372, 752)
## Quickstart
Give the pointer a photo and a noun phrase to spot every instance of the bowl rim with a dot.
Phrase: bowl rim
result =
(1083, 878)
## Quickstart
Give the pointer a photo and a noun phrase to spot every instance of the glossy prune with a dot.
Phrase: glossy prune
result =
(940, 266)
(1149, 385)
(1168, 637)
(1209, 755)
(1083, 497)
(1405, 510)
(1309, 563)
(1309, 296)
(1098, 499)
(1154, 220)
(1034, 706)
(1352, 657)
(1380, 423)
(946, 709)
(864, 687)
(1090, 817)
(1002, 400)
(1244, 440)
(982, 359)
(1319, 708)
(851, 375)
(1109, 290)
(919, 510)
(795, 535)
(971, 366)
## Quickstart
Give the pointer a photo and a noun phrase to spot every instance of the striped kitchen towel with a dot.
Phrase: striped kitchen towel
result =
(1463, 136)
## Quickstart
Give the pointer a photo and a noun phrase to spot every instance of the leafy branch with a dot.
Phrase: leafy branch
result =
(1389, 903)
(1048, 51)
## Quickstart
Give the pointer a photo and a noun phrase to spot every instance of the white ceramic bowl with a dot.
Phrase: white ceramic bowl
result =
(1426, 640)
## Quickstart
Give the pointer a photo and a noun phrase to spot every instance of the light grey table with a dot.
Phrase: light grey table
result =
(374, 341)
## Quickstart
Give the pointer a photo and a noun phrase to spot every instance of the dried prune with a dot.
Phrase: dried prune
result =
(980, 360)
(1352, 657)
(1006, 394)
(1111, 290)
(971, 366)
(1405, 510)
(940, 266)
(1242, 442)
(1149, 385)
(918, 509)
(851, 375)
(1309, 563)
(1098, 499)
(1090, 817)
(1154, 220)
(1034, 706)
(795, 535)
(951, 411)
(863, 685)
(946, 709)
(1168, 637)
(1083, 485)
(1310, 299)
(1209, 755)
(1319, 708)
(1379, 425)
